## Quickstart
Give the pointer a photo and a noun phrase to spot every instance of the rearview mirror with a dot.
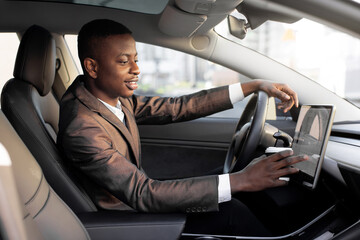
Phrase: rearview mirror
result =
(257, 13)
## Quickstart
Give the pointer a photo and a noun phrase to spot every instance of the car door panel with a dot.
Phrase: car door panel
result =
(185, 149)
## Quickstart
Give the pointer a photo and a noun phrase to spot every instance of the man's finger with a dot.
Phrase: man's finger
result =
(286, 106)
(280, 182)
(283, 96)
(285, 172)
(286, 162)
(299, 158)
(292, 94)
(285, 88)
(289, 106)
(280, 155)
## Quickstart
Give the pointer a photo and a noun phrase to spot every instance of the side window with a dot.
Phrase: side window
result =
(9, 43)
(166, 72)
(71, 41)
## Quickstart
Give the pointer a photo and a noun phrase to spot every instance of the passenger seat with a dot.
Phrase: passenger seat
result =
(32, 109)
(29, 208)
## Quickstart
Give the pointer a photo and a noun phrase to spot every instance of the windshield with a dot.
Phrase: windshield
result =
(142, 6)
(325, 55)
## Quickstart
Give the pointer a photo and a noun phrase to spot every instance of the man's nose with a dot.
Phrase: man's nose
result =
(135, 68)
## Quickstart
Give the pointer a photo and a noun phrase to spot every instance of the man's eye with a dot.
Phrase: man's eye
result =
(123, 62)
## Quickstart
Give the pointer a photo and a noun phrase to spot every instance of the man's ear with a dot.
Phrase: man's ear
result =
(91, 67)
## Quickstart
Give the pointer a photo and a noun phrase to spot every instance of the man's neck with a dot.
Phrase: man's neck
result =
(88, 83)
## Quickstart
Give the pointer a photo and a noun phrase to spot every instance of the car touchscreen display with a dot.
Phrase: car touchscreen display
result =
(311, 136)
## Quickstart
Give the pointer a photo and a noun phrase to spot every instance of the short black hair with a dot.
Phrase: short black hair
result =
(95, 30)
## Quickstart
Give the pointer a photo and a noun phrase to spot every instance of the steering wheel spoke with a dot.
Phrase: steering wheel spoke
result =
(247, 133)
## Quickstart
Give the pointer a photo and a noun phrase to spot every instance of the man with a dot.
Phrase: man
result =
(98, 133)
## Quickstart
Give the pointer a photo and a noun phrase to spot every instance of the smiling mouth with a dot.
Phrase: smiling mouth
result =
(132, 85)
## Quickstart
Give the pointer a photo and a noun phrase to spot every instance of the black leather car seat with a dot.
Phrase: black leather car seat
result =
(29, 208)
(32, 109)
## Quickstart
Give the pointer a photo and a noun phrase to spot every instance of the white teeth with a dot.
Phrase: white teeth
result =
(132, 85)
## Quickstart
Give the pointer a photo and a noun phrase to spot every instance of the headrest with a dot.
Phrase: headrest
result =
(35, 60)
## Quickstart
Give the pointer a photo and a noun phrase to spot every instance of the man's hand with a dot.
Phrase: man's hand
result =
(281, 91)
(264, 172)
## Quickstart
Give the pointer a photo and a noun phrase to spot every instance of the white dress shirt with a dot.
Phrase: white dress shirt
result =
(236, 94)
(117, 110)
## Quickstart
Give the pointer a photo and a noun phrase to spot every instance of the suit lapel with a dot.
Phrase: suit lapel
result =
(131, 124)
(127, 133)
(95, 105)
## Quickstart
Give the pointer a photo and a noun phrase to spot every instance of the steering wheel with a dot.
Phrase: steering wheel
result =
(247, 133)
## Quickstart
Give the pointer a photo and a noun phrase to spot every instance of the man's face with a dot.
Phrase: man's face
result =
(117, 69)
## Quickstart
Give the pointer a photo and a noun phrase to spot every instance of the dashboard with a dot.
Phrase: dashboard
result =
(342, 159)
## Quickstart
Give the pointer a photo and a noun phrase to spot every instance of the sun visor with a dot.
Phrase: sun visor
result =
(207, 7)
(177, 23)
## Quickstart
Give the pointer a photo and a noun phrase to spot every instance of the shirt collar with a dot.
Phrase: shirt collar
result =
(117, 110)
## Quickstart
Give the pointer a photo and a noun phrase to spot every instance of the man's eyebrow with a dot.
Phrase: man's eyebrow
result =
(127, 54)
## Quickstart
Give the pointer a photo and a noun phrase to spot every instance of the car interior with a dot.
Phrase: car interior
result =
(40, 194)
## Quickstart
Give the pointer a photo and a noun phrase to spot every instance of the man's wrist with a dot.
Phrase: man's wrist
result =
(250, 87)
(238, 183)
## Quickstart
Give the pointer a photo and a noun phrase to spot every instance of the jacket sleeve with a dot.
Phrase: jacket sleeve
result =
(91, 149)
(162, 110)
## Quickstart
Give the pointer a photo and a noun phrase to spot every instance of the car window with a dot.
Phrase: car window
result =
(304, 46)
(166, 72)
(9, 43)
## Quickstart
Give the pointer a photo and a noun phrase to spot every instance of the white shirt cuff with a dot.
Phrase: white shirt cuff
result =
(224, 189)
(236, 93)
